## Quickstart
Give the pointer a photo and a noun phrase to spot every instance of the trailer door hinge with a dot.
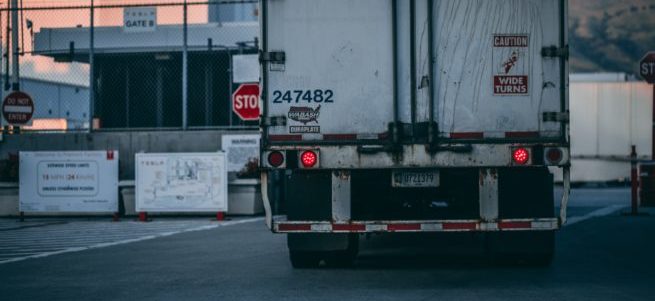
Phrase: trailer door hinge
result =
(556, 116)
(276, 57)
(274, 121)
(555, 52)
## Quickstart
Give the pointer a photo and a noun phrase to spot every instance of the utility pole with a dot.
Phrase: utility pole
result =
(185, 54)
(15, 46)
(92, 86)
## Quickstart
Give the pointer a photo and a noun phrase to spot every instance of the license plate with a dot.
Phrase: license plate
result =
(415, 179)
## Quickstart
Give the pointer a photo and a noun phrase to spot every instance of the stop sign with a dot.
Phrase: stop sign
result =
(647, 67)
(245, 101)
(18, 108)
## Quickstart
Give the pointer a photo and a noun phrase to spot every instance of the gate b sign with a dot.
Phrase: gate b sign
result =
(245, 102)
(647, 67)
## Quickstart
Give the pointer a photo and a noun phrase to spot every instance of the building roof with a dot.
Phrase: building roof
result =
(57, 42)
(601, 77)
(61, 81)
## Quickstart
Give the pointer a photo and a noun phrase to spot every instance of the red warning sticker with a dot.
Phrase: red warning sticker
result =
(511, 64)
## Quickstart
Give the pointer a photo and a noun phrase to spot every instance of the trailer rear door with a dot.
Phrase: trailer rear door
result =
(336, 81)
(478, 64)
(492, 80)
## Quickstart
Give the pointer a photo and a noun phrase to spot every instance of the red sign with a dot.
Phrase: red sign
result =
(18, 108)
(510, 84)
(647, 67)
(245, 101)
(510, 58)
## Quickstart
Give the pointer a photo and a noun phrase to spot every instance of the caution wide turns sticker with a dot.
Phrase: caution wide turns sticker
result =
(511, 64)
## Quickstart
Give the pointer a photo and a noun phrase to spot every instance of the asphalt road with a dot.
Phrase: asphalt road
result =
(599, 257)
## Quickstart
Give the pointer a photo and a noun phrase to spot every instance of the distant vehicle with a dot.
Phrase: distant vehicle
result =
(413, 116)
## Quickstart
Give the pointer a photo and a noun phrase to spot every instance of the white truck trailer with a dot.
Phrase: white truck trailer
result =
(413, 116)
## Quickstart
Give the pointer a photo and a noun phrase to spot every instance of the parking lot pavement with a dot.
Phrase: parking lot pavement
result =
(42, 237)
(602, 257)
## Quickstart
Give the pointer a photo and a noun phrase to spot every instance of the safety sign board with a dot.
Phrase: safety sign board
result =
(511, 64)
(75, 181)
(181, 182)
(240, 150)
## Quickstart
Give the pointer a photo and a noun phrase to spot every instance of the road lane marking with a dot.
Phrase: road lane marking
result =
(133, 240)
(605, 211)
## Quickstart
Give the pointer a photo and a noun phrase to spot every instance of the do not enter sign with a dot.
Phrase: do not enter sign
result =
(18, 108)
(647, 67)
(245, 102)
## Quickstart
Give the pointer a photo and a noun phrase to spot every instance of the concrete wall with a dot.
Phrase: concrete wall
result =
(607, 118)
(127, 143)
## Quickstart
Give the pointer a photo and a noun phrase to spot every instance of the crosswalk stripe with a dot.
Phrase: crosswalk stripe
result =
(37, 242)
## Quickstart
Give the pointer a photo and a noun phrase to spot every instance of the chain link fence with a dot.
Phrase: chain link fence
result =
(117, 65)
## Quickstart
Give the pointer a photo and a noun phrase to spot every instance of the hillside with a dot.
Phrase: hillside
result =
(610, 36)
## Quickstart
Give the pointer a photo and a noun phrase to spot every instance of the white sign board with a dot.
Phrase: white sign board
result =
(69, 181)
(245, 68)
(239, 150)
(139, 19)
(181, 182)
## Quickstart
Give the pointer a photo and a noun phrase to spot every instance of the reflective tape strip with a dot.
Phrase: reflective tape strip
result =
(521, 134)
(351, 137)
(403, 227)
(544, 225)
(467, 135)
(513, 225)
(349, 227)
(376, 228)
(294, 227)
(339, 137)
(432, 227)
(285, 137)
(322, 228)
(424, 226)
(460, 226)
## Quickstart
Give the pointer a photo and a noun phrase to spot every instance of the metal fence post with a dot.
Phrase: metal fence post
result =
(185, 54)
(634, 181)
(15, 84)
(231, 86)
(92, 90)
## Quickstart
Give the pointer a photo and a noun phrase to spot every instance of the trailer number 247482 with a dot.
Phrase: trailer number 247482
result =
(303, 96)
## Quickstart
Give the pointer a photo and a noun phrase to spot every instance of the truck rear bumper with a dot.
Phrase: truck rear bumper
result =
(349, 157)
(281, 225)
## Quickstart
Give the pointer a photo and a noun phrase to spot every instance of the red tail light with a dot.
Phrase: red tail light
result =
(308, 159)
(275, 159)
(521, 156)
(554, 155)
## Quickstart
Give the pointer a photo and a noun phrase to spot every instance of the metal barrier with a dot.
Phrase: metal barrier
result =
(124, 65)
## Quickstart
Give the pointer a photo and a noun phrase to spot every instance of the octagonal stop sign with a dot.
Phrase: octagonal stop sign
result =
(647, 67)
(245, 101)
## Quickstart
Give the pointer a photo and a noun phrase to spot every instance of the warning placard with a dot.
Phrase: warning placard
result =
(73, 181)
(511, 64)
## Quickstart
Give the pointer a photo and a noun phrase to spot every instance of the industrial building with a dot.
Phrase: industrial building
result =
(59, 105)
(138, 74)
